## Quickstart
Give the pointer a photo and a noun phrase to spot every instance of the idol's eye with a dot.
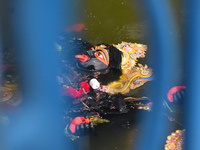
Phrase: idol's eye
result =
(99, 54)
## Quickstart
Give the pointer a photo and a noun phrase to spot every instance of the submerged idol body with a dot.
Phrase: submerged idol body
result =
(123, 56)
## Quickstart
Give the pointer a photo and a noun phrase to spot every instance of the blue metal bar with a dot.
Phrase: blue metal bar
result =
(164, 49)
(38, 125)
(192, 48)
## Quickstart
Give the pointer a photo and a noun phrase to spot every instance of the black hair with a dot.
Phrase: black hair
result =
(115, 56)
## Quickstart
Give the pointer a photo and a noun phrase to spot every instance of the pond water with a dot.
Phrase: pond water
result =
(112, 22)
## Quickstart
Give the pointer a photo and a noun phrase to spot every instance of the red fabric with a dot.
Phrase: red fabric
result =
(72, 92)
(173, 91)
(78, 121)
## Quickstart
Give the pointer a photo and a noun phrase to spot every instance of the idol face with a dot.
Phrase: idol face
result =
(94, 60)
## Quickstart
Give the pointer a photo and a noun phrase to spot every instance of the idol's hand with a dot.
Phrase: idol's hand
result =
(176, 94)
(81, 126)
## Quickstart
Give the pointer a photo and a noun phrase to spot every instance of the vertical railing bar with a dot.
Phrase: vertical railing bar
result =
(164, 49)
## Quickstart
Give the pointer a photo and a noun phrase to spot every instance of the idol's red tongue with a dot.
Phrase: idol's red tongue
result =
(82, 57)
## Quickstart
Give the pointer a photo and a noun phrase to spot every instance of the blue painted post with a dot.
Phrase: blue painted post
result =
(192, 48)
(164, 49)
(38, 125)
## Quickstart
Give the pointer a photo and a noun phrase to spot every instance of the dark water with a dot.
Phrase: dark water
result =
(112, 22)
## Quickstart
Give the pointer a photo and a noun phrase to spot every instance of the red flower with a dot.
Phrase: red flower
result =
(85, 86)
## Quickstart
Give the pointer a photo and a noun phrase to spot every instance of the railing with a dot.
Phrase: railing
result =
(40, 122)
(164, 50)
(192, 49)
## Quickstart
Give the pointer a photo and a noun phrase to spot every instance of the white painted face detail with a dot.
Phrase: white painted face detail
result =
(94, 83)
